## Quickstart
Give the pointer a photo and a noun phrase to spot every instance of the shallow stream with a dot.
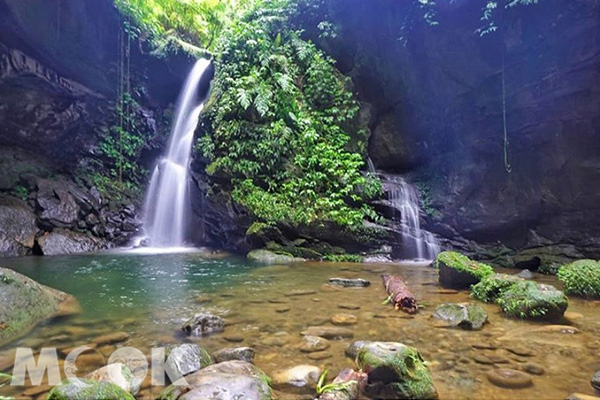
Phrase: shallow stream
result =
(148, 297)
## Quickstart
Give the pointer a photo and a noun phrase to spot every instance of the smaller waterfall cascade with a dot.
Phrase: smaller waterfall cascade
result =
(167, 201)
(417, 243)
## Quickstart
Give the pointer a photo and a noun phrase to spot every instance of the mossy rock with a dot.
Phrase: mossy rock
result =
(465, 316)
(269, 257)
(396, 371)
(529, 300)
(458, 271)
(24, 303)
(86, 389)
(492, 286)
(581, 278)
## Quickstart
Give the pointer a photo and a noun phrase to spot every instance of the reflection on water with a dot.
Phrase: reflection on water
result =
(147, 297)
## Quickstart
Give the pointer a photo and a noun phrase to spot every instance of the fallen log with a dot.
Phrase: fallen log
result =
(399, 295)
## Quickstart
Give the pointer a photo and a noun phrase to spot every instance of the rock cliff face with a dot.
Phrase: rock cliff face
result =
(439, 115)
(59, 65)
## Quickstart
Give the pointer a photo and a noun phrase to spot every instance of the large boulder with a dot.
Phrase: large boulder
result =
(17, 228)
(26, 302)
(530, 300)
(396, 371)
(58, 205)
(86, 389)
(231, 380)
(62, 241)
(581, 278)
(269, 257)
(492, 286)
(458, 271)
(466, 316)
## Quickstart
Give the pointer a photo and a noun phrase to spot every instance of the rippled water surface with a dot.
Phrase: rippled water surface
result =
(266, 307)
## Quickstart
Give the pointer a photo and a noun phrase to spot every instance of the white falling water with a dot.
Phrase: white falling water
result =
(417, 243)
(167, 201)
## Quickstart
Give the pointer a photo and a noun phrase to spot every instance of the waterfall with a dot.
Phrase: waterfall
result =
(167, 200)
(417, 243)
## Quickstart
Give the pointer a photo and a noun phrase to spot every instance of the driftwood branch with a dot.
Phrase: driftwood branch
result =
(400, 296)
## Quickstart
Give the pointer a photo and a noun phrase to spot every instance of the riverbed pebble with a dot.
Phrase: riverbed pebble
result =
(509, 378)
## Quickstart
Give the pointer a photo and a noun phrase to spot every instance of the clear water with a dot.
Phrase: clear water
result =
(267, 307)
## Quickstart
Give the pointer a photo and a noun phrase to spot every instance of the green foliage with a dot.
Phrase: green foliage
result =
(489, 11)
(581, 278)
(492, 286)
(533, 301)
(354, 258)
(462, 263)
(21, 192)
(282, 121)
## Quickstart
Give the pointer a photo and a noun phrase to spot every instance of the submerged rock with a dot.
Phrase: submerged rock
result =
(345, 282)
(203, 324)
(24, 303)
(62, 241)
(185, 359)
(234, 353)
(328, 332)
(525, 274)
(86, 389)
(458, 271)
(269, 257)
(465, 315)
(230, 380)
(312, 344)
(299, 379)
(118, 374)
(533, 301)
(509, 378)
(396, 371)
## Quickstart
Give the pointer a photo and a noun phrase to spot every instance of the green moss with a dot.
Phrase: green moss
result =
(257, 228)
(581, 278)
(462, 263)
(412, 378)
(529, 300)
(355, 258)
(85, 389)
(549, 268)
(492, 286)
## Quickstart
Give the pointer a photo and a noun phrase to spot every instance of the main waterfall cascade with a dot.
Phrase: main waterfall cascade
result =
(417, 243)
(167, 202)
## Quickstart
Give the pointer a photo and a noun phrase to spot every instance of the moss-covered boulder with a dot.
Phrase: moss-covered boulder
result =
(24, 303)
(185, 359)
(230, 380)
(269, 257)
(533, 301)
(87, 389)
(465, 315)
(458, 271)
(581, 278)
(395, 371)
(490, 287)
(118, 374)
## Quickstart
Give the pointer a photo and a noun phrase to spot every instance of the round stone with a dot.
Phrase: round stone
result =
(344, 319)
(533, 368)
(509, 378)
(596, 381)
